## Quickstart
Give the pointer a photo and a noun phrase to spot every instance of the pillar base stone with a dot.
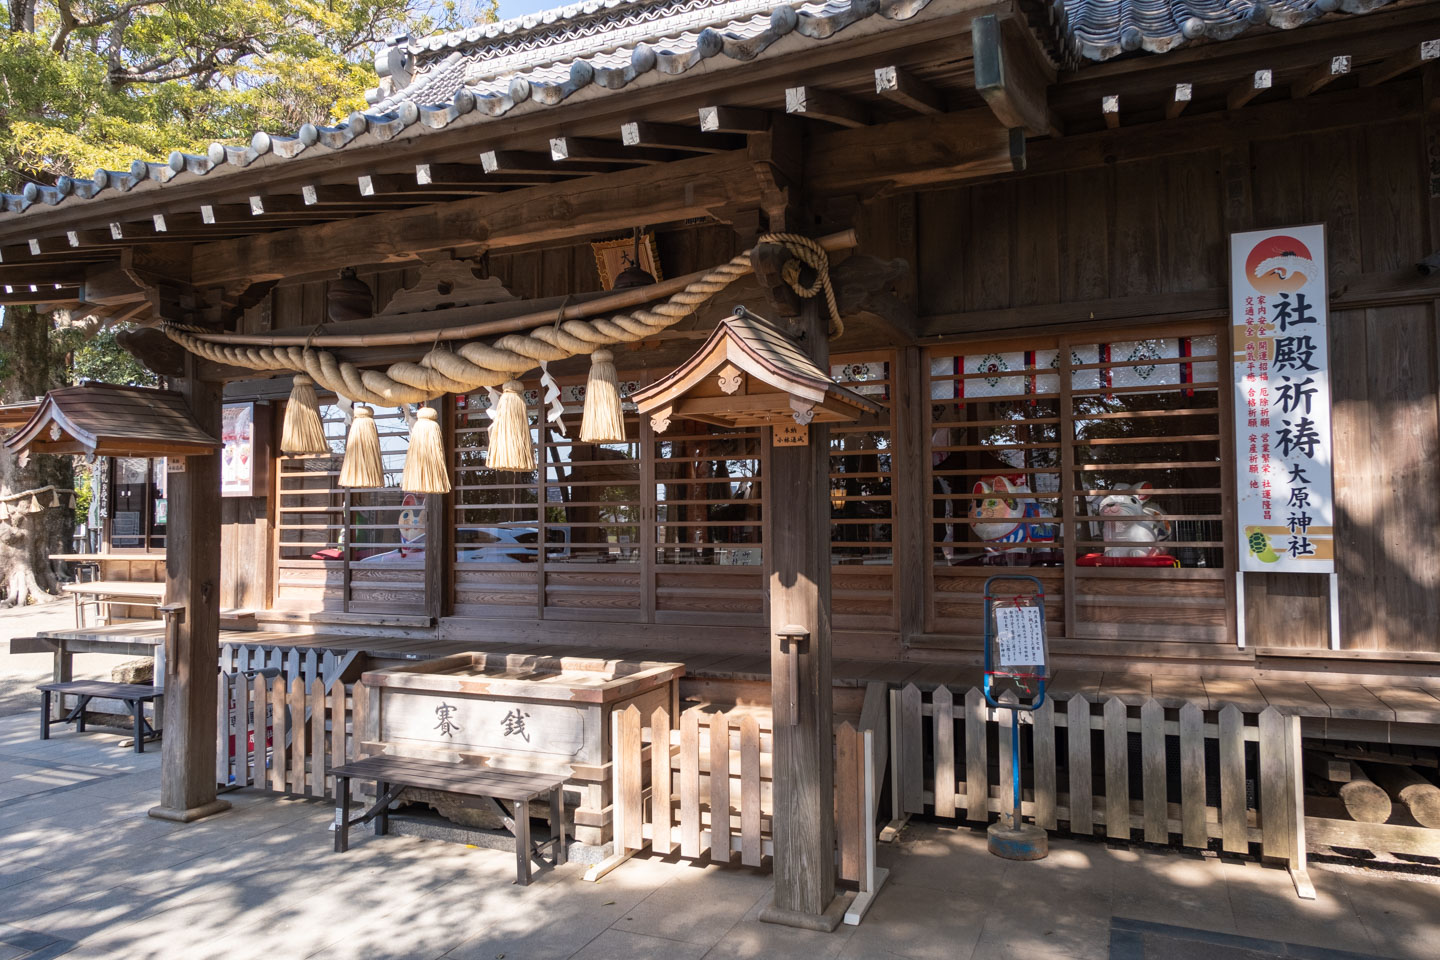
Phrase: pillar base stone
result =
(823, 922)
(189, 814)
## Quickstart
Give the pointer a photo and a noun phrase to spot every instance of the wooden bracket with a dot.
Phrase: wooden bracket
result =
(1013, 77)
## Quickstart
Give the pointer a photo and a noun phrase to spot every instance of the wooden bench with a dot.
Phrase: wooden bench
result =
(394, 775)
(133, 695)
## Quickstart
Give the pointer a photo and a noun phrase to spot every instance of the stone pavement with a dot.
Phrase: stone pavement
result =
(20, 672)
(85, 873)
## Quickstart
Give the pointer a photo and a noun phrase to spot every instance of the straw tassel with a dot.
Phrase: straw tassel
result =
(604, 420)
(510, 446)
(72, 501)
(425, 462)
(362, 467)
(55, 498)
(36, 506)
(4, 512)
(303, 431)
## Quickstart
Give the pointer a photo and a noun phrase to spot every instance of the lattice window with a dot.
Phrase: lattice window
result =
(1086, 461)
(360, 550)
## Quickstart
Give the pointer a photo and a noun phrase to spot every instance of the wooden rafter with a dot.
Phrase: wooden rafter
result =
(900, 86)
(1332, 69)
(1250, 88)
(816, 104)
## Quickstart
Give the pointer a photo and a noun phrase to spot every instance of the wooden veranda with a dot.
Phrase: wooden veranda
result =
(1030, 366)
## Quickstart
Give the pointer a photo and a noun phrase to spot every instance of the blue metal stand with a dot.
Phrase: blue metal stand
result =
(1017, 840)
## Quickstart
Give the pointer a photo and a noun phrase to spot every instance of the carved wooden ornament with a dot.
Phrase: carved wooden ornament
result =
(780, 383)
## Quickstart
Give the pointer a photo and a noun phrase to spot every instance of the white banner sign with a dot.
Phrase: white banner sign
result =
(1284, 504)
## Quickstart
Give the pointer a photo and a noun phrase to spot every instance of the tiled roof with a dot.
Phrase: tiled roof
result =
(1102, 29)
(456, 85)
(542, 59)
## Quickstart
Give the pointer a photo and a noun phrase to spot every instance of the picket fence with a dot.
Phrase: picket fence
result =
(281, 734)
(666, 797)
(1096, 768)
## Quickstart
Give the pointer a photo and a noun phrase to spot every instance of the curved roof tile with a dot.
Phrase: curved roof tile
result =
(546, 57)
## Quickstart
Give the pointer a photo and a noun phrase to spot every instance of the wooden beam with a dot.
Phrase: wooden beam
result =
(1401, 63)
(923, 150)
(563, 211)
(46, 274)
(1332, 69)
(816, 104)
(798, 539)
(1110, 108)
(429, 174)
(734, 120)
(566, 149)
(900, 86)
(1011, 77)
(192, 594)
(1256, 84)
(673, 136)
(1179, 100)
(380, 186)
(34, 293)
(516, 163)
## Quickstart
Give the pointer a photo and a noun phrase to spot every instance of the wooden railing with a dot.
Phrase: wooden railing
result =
(280, 734)
(667, 796)
(956, 778)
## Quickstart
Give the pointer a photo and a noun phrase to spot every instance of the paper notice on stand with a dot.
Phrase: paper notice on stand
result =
(1020, 634)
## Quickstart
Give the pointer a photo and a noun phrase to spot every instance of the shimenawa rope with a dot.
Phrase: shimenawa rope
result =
(477, 364)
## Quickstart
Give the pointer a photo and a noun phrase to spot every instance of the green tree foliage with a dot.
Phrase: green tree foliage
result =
(87, 84)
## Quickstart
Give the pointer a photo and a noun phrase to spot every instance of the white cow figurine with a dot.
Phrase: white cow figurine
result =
(1122, 511)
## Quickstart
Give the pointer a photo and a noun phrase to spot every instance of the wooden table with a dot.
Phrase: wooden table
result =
(98, 560)
(393, 775)
(138, 593)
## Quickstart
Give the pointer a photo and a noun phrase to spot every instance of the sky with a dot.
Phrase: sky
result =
(518, 8)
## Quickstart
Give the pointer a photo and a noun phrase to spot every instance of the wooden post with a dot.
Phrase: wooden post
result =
(798, 539)
(192, 591)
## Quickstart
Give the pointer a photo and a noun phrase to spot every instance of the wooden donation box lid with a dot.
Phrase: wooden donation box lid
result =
(519, 712)
(100, 419)
(749, 374)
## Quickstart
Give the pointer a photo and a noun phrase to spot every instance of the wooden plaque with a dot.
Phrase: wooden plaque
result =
(790, 435)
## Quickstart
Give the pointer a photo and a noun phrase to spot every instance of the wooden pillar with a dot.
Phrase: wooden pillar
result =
(804, 784)
(192, 642)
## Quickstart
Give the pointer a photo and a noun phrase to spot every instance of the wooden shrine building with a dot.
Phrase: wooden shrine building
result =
(1025, 213)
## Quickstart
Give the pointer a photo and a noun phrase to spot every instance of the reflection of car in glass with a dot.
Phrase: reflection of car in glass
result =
(482, 545)
(414, 550)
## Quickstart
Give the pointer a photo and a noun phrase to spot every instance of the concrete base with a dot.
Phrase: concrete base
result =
(822, 922)
(190, 814)
(1028, 842)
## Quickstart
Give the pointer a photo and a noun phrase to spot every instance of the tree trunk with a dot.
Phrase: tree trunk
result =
(27, 370)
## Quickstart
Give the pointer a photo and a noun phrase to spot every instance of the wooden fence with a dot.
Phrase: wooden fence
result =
(667, 798)
(1085, 782)
(282, 734)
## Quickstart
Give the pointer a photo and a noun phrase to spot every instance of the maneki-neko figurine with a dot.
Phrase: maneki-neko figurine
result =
(1012, 516)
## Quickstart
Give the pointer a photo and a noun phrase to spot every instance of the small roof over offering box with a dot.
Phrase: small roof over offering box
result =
(749, 374)
(101, 419)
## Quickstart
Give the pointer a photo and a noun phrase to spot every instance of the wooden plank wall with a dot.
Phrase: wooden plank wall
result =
(244, 553)
(1149, 239)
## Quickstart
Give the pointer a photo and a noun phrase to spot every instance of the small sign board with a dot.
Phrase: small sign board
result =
(174, 464)
(1020, 636)
(790, 435)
